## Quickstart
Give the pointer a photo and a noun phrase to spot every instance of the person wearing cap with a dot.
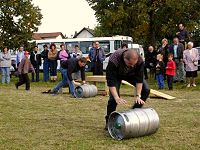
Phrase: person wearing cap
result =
(128, 65)
(24, 68)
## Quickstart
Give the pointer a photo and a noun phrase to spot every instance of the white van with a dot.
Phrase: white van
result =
(138, 47)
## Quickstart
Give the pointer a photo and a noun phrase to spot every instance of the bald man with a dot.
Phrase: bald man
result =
(128, 65)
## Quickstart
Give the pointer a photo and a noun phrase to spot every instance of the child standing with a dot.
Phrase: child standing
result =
(24, 68)
(170, 71)
(160, 71)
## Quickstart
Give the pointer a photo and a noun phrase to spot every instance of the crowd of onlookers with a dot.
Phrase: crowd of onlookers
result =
(176, 62)
(171, 62)
(48, 58)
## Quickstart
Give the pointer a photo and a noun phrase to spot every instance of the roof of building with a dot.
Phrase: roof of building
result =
(40, 36)
(87, 29)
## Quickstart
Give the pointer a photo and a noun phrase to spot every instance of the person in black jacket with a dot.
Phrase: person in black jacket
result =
(177, 49)
(150, 61)
(35, 58)
(44, 55)
(160, 71)
(128, 65)
(182, 34)
(67, 68)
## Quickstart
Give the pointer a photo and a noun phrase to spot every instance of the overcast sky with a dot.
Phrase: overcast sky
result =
(66, 16)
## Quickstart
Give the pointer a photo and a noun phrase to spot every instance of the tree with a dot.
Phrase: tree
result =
(147, 21)
(18, 20)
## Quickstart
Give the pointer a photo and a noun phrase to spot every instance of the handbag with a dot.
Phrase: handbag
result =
(195, 63)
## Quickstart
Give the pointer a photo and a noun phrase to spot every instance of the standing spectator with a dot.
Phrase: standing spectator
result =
(177, 50)
(125, 65)
(5, 64)
(44, 55)
(164, 50)
(20, 55)
(170, 71)
(52, 56)
(150, 61)
(190, 58)
(63, 53)
(160, 71)
(182, 34)
(24, 68)
(76, 54)
(98, 58)
(91, 55)
(35, 58)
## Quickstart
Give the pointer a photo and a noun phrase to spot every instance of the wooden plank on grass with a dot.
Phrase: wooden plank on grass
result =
(96, 78)
(154, 92)
(160, 94)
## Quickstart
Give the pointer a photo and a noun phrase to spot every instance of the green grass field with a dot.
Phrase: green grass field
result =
(32, 120)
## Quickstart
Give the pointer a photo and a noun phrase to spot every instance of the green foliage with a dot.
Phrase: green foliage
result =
(147, 21)
(18, 20)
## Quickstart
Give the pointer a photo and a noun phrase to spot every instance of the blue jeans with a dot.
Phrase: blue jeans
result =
(160, 81)
(64, 81)
(45, 70)
(5, 74)
(53, 67)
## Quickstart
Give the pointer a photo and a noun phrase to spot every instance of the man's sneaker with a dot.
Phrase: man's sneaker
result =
(194, 85)
(188, 85)
(73, 96)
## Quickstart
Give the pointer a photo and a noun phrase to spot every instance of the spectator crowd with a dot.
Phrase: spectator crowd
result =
(176, 62)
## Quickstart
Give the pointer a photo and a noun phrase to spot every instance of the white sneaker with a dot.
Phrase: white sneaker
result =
(194, 85)
(188, 85)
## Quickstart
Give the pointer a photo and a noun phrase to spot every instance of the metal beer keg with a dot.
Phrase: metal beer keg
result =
(86, 90)
(133, 123)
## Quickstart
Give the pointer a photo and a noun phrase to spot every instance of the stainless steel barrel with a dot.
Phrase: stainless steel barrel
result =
(133, 123)
(86, 90)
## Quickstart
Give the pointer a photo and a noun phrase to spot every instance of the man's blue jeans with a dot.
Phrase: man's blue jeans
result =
(5, 74)
(65, 80)
(45, 70)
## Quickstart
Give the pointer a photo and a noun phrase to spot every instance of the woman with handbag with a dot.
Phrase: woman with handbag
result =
(190, 58)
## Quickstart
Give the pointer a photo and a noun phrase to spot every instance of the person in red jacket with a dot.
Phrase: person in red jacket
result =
(170, 71)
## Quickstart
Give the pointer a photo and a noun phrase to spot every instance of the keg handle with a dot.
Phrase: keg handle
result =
(125, 116)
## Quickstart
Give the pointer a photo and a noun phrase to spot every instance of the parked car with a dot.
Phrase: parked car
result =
(199, 57)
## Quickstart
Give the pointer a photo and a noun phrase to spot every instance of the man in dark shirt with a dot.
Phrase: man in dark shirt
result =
(35, 58)
(150, 61)
(182, 34)
(177, 49)
(67, 68)
(125, 64)
(44, 55)
(98, 58)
